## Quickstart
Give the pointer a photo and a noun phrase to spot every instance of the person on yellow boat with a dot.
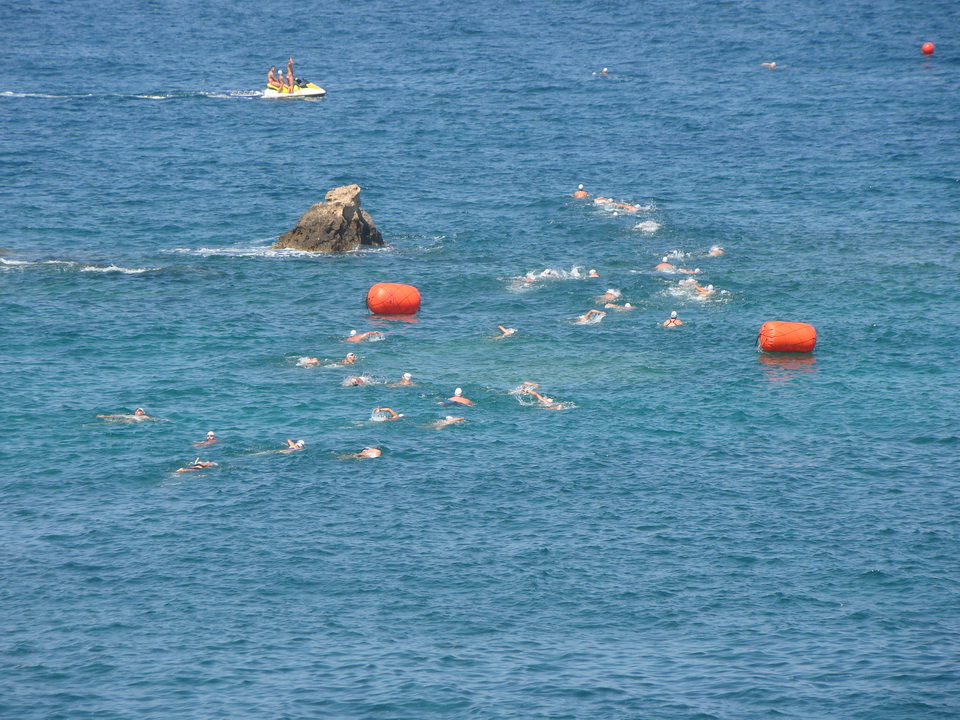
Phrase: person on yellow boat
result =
(273, 83)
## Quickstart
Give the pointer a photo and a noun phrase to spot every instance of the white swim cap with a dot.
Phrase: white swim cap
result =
(458, 392)
(592, 270)
(407, 376)
(627, 305)
(300, 443)
(210, 434)
(580, 186)
(673, 314)
(663, 259)
(449, 417)
(604, 70)
(352, 333)
(709, 287)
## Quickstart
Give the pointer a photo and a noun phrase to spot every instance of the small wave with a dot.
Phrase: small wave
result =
(10, 93)
(82, 267)
(647, 226)
(116, 268)
(265, 251)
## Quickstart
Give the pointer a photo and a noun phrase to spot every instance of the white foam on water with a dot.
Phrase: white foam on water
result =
(10, 93)
(117, 269)
(647, 226)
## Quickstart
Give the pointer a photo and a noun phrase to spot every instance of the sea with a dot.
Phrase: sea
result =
(687, 529)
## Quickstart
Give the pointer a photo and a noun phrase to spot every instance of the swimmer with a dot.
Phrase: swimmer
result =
(448, 420)
(580, 192)
(366, 453)
(592, 274)
(664, 265)
(771, 65)
(211, 440)
(600, 200)
(354, 381)
(138, 415)
(506, 332)
(715, 251)
(672, 321)
(350, 359)
(308, 362)
(609, 296)
(602, 72)
(687, 284)
(625, 306)
(548, 403)
(407, 379)
(196, 466)
(457, 398)
(293, 446)
(588, 316)
(391, 414)
(371, 335)
(625, 206)
(705, 291)
(695, 271)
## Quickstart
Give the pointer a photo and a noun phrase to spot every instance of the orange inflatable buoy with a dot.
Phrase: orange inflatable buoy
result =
(777, 336)
(393, 299)
(927, 48)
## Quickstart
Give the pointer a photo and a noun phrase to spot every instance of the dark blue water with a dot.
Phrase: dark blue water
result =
(701, 531)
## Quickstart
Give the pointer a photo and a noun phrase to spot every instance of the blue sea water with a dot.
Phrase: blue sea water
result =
(703, 532)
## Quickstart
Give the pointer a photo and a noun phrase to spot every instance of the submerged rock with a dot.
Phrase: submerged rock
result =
(335, 225)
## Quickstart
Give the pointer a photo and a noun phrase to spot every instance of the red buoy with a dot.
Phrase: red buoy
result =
(927, 48)
(393, 299)
(777, 336)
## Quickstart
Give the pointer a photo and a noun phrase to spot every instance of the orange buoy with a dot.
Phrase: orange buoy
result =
(393, 299)
(777, 336)
(927, 48)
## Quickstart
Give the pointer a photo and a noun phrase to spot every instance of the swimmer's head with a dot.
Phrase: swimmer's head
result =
(138, 411)
(628, 305)
(673, 314)
(352, 333)
(449, 417)
(351, 356)
(210, 435)
(663, 259)
(407, 376)
(300, 443)
(458, 392)
(580, 186)
(709, 287)
(604, 70)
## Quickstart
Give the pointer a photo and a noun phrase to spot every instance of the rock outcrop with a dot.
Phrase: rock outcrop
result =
(335, 225)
